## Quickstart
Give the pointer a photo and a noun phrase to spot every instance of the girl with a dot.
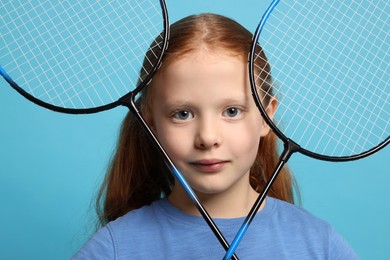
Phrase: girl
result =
(200, 108)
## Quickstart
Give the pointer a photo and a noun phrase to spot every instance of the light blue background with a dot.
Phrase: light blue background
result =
(51, 165)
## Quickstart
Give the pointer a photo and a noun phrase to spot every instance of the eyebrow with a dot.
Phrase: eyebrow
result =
(191, 103)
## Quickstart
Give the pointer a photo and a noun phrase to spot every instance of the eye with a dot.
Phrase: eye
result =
(183, 115)
(232, 112)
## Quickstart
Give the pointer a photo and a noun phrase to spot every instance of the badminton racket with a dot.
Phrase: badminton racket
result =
(83, 57)
(330, 76)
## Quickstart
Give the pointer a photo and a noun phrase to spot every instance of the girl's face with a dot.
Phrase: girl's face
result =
(203, 114)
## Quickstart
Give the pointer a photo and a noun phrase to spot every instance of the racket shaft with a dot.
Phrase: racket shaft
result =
(131, 105)
(289, 148)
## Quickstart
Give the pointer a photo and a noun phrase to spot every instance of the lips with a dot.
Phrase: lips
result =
(209, 166)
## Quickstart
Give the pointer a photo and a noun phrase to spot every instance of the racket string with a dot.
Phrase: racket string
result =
(302, 117)
(88, 58)
(325, 105)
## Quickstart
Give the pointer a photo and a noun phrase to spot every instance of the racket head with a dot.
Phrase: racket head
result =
(330, 75)
(81, 56)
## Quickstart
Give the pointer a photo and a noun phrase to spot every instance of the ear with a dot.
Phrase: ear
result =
(271, 109)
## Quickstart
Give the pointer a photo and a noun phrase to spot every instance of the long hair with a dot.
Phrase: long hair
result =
(137, 174)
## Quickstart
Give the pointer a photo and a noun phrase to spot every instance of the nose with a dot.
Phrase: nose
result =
(208, 134)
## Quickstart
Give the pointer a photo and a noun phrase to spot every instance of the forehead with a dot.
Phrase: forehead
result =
(203, 70)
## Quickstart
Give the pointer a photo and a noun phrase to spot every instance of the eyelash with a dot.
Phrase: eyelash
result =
(238, 111)
(184, 114)
(176, 115)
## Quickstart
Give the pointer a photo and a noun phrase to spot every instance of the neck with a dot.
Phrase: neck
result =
(230, 204)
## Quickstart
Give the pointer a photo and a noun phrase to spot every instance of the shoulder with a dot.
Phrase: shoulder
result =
(298, 221)
(99, 246)
(131, 220)
(134, 226)
(289, 213)
(137, 224)
(308, 232)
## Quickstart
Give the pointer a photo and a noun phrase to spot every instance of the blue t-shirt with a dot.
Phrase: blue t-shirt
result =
(161, 231)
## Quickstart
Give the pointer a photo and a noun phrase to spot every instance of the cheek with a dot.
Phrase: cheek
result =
(174, 140)
(245, 140)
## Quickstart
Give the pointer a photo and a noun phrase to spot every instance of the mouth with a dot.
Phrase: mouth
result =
(209, 166)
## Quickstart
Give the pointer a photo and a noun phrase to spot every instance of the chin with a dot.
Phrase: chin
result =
(210, 190)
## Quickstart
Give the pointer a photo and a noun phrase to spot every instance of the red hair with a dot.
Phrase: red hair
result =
(137, 175)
